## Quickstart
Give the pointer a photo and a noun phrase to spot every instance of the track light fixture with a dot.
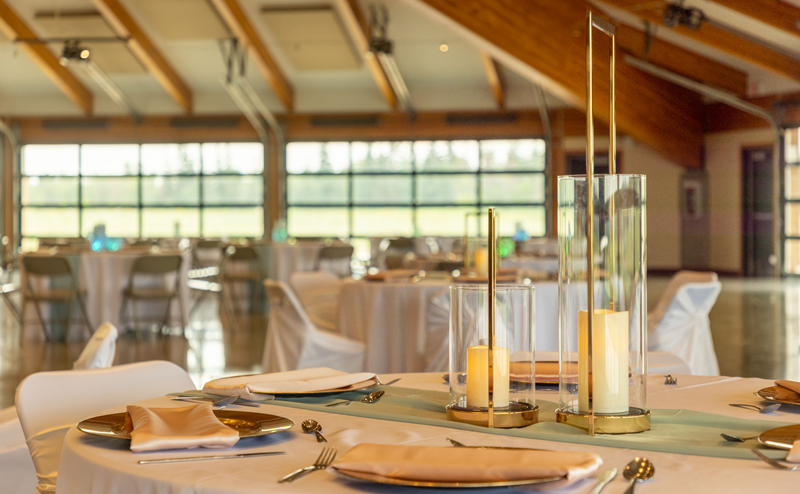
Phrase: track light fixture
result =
(73, 52)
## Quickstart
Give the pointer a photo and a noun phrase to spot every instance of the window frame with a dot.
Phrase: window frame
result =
(140, 206)
(478, 206)
(784, 166)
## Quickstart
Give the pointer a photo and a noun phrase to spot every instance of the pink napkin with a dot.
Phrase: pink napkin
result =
(787, 390)
(193, 426)
(794, 454)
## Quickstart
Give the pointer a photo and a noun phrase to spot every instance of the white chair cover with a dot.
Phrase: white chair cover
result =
(294, 342)
(99, 352)
(680, 324)
(319, 293)
(49, 403)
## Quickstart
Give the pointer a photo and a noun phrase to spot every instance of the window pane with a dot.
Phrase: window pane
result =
(233, 222)
(109, 159)
(382, 222)
(120, 222)
(382, 190)
(317, 157)
(447, 189)
(233, 157)
(792, 182)
(47, 222)
(168, 191)
(49, 191)
(531, 218)
(245, 190)
(170, 159)
(791, 141)
(519, 154)
(317, 222)
(381, 157)
(792, 220)
(169, 222)
(443, 221)
(114, 191)
(791, 256)
(50, 159)
(516, 188)
(461, 156)
(316, 190)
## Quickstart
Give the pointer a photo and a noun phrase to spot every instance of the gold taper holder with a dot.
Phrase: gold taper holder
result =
(492, 371)
(610, 400)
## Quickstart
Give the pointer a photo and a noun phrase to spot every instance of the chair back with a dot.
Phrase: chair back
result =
(336, 259)
(241, 253)
(157, 264)
(100, 351)
(289, 327)
(50, 403)
(46, 266)
(206, 243)
(318, 292)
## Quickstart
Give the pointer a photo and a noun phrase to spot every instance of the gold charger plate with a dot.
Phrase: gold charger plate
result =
(367, 477)
(770, 394)
(780, 437)
(248, 424)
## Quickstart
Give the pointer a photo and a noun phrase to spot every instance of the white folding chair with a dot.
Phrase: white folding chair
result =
(294, 342)
(99, 352)
(680, 324)
(319, 293)
(49, 403)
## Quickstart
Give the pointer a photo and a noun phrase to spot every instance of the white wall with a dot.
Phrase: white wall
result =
(724, 165)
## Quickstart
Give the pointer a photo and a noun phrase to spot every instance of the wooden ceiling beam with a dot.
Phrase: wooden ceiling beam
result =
(493, 76)
(681, 61)
(13, 27)
(749, 51)
(237, 21)
(776, 13)
(359, 29)
(143, 48)
(521, 36)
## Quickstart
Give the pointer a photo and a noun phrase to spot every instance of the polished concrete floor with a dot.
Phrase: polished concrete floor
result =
(755, 325)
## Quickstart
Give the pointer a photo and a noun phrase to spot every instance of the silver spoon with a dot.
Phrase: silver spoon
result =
(736, 439)
(310, 425)
(221, 403)
(766, 409)
(370, 398)
(639, 470)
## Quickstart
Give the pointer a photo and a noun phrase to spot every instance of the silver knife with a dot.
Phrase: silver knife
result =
(603, 479)
(202, 458)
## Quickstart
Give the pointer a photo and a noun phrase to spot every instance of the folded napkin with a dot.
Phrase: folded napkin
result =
(296, 381)
(447, 464)
(787, 390)
(392, 274)
(794, 453)
(194, 426)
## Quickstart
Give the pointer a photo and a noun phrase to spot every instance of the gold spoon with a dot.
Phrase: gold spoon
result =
(310, 425)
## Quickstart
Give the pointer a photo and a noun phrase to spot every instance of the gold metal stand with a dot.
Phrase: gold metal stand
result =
(637, 419)
(516, 414)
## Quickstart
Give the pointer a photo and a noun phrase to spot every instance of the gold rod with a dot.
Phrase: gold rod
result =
(612, 112)
(466, 242)
(589, 210)
(491, 311)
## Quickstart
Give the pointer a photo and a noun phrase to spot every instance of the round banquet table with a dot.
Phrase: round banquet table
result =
(97, 465)
(285, 259)
(104, 276)
(404, 325)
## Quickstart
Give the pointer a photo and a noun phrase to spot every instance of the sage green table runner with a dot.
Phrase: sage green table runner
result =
(673, 431)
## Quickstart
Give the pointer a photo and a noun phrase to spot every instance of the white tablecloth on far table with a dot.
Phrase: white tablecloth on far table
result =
(95, 465)
(104, 276)
(392, 320)
(541, 264)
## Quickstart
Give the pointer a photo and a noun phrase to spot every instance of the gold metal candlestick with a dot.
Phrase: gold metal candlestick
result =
(636, 419)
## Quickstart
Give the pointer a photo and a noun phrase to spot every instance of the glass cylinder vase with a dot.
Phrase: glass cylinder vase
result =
(603, 372)
(492, 388)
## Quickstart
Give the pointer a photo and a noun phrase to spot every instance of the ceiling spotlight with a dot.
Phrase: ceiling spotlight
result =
(73, 51)
(443, 47)
(85, 54)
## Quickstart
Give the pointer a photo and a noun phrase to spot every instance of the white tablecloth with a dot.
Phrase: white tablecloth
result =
(541, 264)
(285, 259)
(104, 276)
(392, 320)
(92, 465)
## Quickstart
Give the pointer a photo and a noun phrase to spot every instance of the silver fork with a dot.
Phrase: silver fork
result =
(324, 460)
(774, 463)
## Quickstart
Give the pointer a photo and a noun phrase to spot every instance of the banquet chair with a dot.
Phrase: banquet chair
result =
(17, 475)
(206, 253)
(319, 292)
(153, 266)
(50, 403)
(53, 269)
(232, 274)
(336, 259)
(294, 342)
(393, 252)
(680, 324)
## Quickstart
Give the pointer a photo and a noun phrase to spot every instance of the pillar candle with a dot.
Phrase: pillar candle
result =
(478, 376)
(609, 382)
(482, 261)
